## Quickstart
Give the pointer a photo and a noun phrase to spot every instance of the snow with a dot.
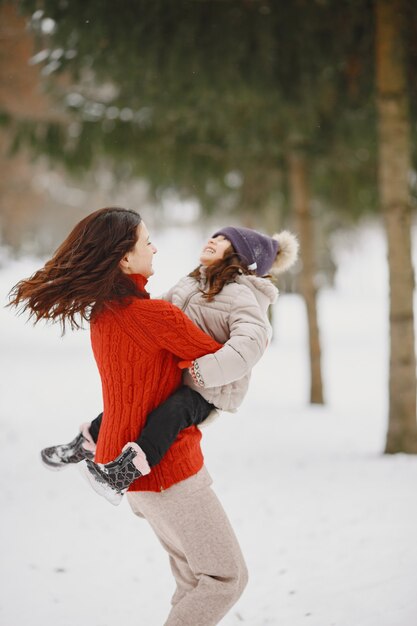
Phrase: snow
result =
(327, 522)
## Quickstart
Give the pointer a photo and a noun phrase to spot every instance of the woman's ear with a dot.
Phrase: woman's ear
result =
(124, 263)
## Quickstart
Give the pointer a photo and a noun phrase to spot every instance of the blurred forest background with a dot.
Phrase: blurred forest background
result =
(299, 114)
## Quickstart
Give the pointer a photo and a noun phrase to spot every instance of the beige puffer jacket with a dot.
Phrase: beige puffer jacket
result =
(237, 317)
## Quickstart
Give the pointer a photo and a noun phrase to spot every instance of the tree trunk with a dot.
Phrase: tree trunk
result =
(394, 169)
(300, 200)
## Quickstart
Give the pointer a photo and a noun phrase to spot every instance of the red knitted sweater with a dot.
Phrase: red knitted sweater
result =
(137, 349)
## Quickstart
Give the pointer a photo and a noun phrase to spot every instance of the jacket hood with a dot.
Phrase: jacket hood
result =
(262, 287)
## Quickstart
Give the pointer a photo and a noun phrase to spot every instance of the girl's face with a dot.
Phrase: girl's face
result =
(214, 250)
(139, 259)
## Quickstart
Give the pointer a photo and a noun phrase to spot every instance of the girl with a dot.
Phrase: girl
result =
(225, 298)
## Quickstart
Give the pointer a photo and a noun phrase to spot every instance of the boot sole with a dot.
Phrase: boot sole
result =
(100, 488)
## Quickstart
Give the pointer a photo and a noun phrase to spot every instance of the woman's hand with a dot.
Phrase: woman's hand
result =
(183, 365)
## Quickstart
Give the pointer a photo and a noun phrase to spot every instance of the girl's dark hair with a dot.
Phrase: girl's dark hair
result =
(221, 272)
(84, 273)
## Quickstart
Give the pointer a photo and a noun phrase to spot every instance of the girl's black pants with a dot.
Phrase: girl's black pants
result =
(184, 408)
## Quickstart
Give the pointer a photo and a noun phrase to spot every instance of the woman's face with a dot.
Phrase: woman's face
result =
(214, 250)
(139, 259)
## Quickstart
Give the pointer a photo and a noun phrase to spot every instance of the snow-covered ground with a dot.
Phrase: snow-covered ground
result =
(327, 523)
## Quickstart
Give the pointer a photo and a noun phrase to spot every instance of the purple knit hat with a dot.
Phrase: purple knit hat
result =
(257, 251)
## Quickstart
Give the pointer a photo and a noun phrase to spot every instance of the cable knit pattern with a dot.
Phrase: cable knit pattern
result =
(137, 349)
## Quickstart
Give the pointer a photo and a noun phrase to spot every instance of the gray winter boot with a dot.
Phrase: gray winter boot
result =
(59, 457)
(113, 479)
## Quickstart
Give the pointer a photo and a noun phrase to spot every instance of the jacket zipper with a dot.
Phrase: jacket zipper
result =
(184, 306)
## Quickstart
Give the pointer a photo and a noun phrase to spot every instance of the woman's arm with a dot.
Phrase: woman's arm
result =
(250, 333)
(162, 324)
(178, 334)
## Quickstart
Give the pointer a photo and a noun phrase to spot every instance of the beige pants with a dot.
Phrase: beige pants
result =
(204, 554)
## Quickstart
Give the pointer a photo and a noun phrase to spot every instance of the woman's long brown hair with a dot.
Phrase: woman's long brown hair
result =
(84, 273)
(221, 272)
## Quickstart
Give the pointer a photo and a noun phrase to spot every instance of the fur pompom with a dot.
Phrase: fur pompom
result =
(287, 252)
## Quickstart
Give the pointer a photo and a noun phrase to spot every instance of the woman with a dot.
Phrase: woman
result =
(99, 273)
